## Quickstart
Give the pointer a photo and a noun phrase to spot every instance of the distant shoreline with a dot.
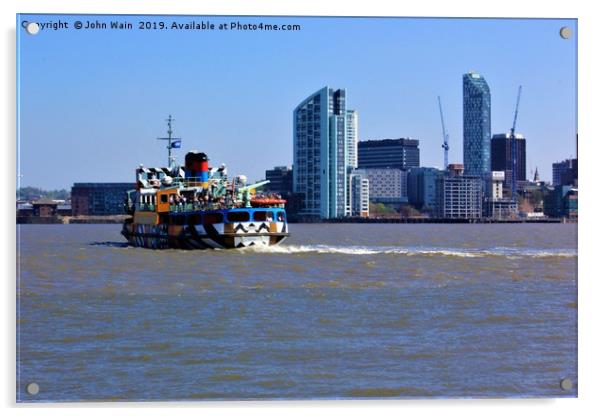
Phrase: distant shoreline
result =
(119, 219)
(445, 221)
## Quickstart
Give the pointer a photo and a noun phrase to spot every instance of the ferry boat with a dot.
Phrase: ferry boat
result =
(198, 207)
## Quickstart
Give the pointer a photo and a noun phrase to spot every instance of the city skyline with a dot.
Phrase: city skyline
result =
(97, 112)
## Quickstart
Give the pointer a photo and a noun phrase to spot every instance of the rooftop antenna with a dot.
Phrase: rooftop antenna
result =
(513, 144)
(445, 144)
(172, 142)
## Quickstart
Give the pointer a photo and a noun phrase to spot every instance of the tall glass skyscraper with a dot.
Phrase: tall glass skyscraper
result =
(352, 138)
(477, 125)
(320, 161)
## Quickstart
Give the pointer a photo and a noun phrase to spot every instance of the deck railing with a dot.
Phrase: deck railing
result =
(199, 206)
(196, 206)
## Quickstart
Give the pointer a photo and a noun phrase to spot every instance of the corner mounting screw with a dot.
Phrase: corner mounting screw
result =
(566, 384)
(565, 32)
(33, 388)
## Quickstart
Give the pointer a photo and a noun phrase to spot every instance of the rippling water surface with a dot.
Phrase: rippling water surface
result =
(337, 311)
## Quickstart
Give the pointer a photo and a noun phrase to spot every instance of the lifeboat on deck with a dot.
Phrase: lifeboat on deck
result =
(267, 202)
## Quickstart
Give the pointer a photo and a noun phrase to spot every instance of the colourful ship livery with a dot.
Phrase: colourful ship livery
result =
(198, 207)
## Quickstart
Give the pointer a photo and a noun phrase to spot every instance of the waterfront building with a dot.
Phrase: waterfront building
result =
(387, 185)
(506, 208)
(44, 208)
(281, 180)
(64, 209)
(494, 188)
(320, 163)
(455, 169)
(501, 157)
(422, 187)
(477, 125)
(99, 198)
(565, 172)
(42, 211)
(494, 204)
(459, 196)
(359, 189)
(24, 209)
(351, 126)
(561, 201)
(571, 200)
(388, 153)
(533, 194)
(352, 138)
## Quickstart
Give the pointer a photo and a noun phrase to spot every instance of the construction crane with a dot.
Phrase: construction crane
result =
(445, 144)
(513, 144)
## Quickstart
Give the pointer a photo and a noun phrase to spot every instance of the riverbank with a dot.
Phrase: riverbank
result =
(421, 220)
(119, 219)
(83, 219)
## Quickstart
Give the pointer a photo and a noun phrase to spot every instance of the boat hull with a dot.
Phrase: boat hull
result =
(208, 236)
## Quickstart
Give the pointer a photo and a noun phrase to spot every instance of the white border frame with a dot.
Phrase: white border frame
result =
(590, 94)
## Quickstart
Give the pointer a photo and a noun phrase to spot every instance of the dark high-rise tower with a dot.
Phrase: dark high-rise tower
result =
(477, 125)
(388, 153)
(565, 172)
(501, 157)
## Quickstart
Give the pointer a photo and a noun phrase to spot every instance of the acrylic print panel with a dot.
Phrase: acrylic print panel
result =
(416, 238)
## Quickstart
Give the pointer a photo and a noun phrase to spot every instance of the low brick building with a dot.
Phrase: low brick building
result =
(44, 208)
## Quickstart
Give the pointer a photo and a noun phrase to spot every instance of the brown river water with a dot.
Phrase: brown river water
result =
(338, 311)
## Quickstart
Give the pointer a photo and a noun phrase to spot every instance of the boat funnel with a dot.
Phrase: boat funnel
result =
(197, 166)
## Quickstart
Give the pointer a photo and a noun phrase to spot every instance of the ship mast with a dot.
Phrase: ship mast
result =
(172, 142)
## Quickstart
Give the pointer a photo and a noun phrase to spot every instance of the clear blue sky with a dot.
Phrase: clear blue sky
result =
(93, 102)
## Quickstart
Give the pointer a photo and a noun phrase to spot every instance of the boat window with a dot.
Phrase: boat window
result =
(164, 198)
(280, 216)
(238, 216)
(213, 218)
(263, 215)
